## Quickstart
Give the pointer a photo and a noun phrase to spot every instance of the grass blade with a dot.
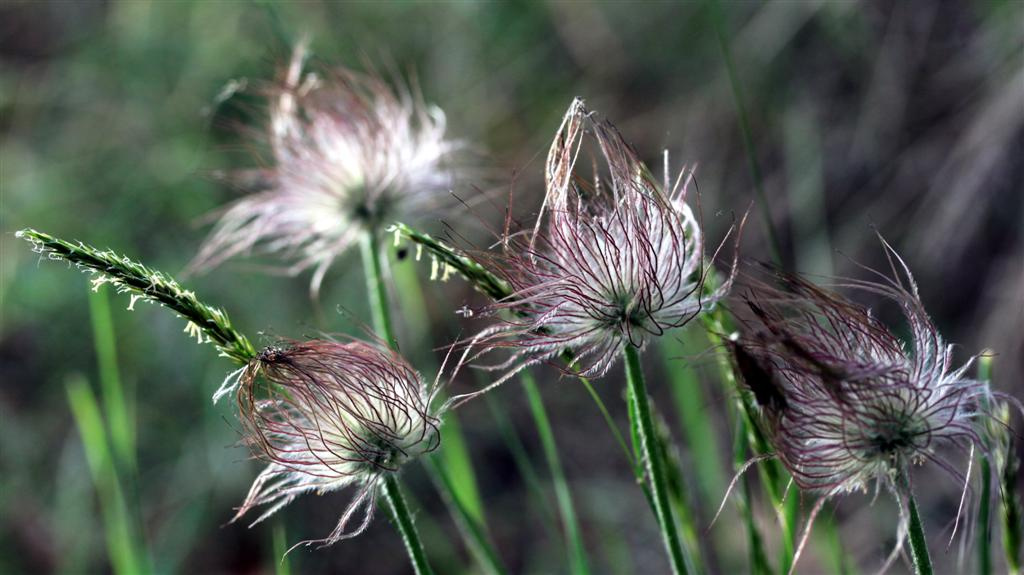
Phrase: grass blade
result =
(563, 495)
(115, 400)
(123, 542)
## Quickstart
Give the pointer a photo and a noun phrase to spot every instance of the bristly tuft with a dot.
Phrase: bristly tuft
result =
(326, 415)
(845, 401)
(351, 154)
(613, 260)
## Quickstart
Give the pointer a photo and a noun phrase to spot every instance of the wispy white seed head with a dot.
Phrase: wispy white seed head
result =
(351, 153)
(613, 260)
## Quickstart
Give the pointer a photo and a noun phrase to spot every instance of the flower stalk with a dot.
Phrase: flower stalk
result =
(918, 542)
(772, 475)
(984, 545)
(403, 519)
(654, 463)
(381, 314)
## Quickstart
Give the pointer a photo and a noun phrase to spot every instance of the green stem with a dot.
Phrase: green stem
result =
(985, 501)
(655, 466)
(376, 289)
(570, 524)
(403, 520)
(755, 545)
(382, 325)
(984, 521)
(918, 543)
(280, 545)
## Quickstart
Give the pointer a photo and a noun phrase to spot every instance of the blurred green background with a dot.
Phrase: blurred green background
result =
(907, 117)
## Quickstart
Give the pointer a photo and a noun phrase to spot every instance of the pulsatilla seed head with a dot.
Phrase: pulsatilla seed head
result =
(350, 153)
(326, 415)
(844, 399)
(613, 260)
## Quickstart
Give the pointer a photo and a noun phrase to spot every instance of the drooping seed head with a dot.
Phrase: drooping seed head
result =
(846, 401)
(614, 260)
(350, 154)
(326, 415)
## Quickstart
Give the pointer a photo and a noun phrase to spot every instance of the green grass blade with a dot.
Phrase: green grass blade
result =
(523, 464)
(698, 429)
(123, 544)
(116, 405)
(578, 561)
(473, 532)
(757, 557)
(280, 546)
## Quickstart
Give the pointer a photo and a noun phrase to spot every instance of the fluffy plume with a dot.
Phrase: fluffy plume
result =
(845, 401)
(614, 260)
(351, 154)
(328, 415)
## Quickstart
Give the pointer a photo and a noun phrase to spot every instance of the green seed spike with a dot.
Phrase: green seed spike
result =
(455, 260)
(206, 323)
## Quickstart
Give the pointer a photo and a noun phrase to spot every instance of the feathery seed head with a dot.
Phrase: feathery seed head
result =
(845, 400)
(351, 154)
(612, 261)
(326, 415)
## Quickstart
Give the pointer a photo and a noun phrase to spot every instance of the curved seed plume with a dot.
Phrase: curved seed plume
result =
(327, 415)
(612, 261)
(351, 153)
(845, 401)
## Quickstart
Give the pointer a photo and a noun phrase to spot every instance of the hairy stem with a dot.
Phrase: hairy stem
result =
(772, 475)
(984, 521)
(985, 501)
(563, 495)
(654, 463)
(918, 543)
(403, 520)
(376, 289)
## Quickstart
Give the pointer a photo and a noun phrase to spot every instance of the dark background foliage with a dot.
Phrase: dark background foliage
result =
(903, 117)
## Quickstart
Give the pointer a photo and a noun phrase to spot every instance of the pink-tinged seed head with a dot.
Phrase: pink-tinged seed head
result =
(613, 260)
(351, 153)
(326, 415)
